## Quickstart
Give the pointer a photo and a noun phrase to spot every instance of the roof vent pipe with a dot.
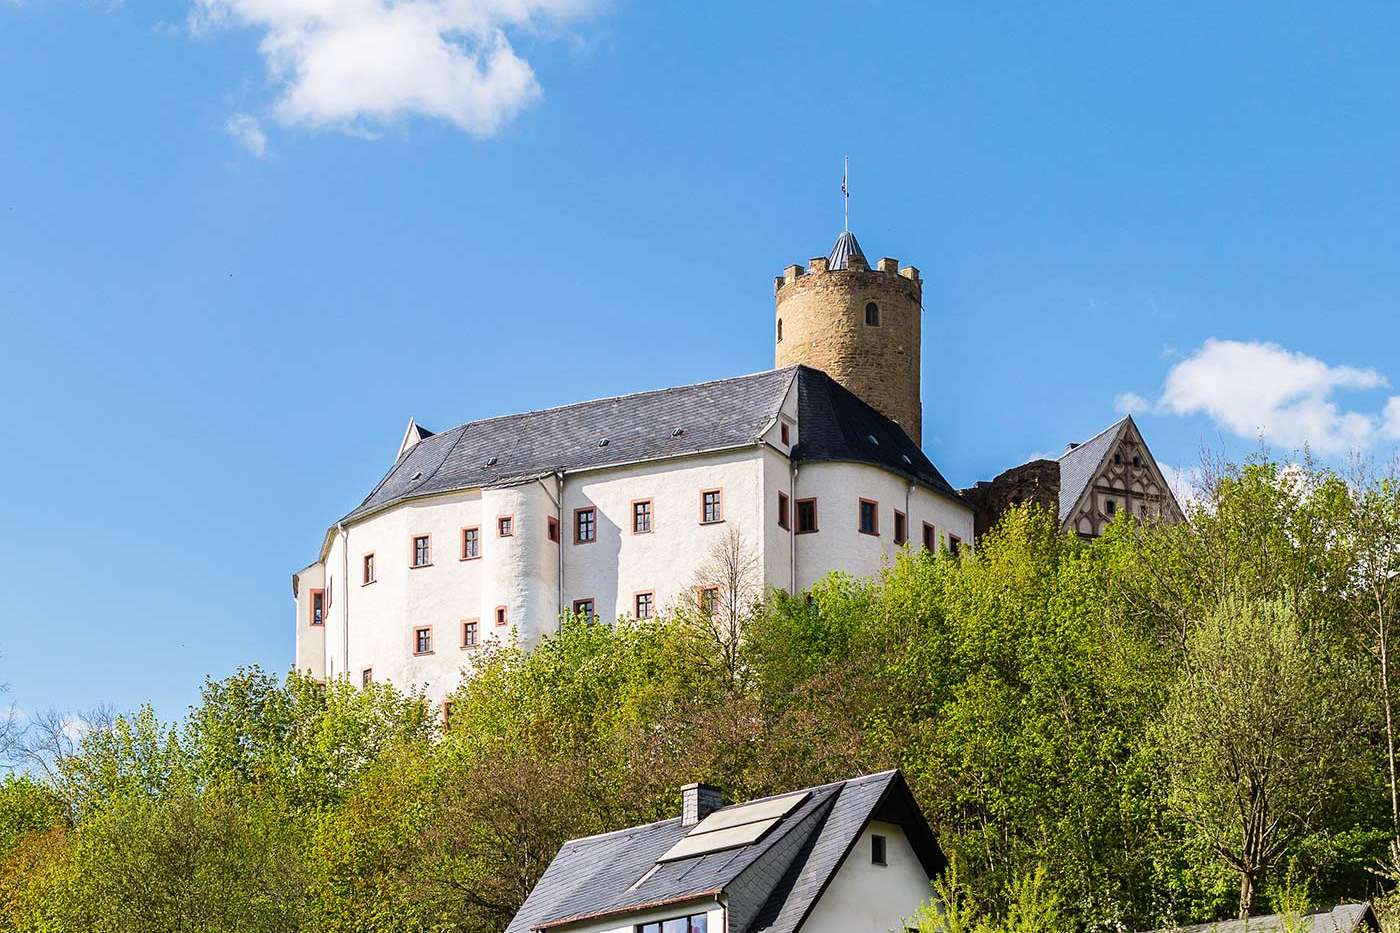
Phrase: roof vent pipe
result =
(699, 801)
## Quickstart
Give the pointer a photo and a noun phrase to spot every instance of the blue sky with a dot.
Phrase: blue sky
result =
(242, 241)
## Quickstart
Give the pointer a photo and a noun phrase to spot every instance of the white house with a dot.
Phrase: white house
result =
(612, 507)
(855, 856)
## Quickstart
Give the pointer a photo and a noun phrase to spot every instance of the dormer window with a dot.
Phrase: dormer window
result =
(872, 314)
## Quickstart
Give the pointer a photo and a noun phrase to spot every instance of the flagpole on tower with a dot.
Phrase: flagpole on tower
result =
(846, 194)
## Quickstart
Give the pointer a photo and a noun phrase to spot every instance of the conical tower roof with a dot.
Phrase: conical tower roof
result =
(846, 247)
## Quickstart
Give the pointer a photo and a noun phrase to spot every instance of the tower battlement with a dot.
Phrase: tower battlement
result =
(860, 325)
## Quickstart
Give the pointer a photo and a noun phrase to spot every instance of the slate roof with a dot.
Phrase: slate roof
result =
(1347, 918)
(770, 885)
(846, 247)
(1079, 466)
(833, 425)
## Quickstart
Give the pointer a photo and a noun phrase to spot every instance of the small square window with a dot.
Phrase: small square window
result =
(901, 528)
(584, 607)
(368, 563)
(422, 550)
(585, 526)
(806, 516)
(552, 529)
(711, 506)
(786, 432)
(471, 633)
(783, 510)
(641, 517)
(471, 543)
(366, 677)
(878, 854)
(501, 615)
(423, 640)
(505, 526)
(869, 517)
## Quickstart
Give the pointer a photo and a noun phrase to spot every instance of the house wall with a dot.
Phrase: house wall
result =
(310, 639)
(838, 543)
(868, 898)
(714, 919)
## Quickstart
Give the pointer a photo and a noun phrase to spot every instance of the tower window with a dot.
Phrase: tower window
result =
(505, 526)
(872, 314)
(501, 617)
(869, 517)
(780, 330)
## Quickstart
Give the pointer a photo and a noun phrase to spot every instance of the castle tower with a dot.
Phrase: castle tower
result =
(859, 325)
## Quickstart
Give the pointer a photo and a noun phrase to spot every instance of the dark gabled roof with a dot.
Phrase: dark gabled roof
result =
(771, 885)
(729, 413)
(846, 247)
(1080, 464)
(1347, 918)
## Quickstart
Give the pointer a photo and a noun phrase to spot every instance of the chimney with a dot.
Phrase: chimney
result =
(698, 801)
(1070, 446)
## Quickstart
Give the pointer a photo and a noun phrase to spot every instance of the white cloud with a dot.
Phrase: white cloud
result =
(1130, 402)
(353, 64)
(1257, 389)
(249, 133)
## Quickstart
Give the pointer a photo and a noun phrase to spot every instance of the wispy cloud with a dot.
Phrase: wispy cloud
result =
(249, 133)
(358, 64)
(1262, 390)
(1129, 403)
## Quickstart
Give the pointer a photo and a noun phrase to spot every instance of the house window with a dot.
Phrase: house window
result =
(368, 568)
(930, 538)
(806, 516)
(366, 677)
(1117, 458)
(785, 432)
(709, 599)
(872, 314)
(471, 633)
(585, 526)
(954, 544)
(501, 615)
(584, 607)
(869, 517)
(1137, 461)
(423, 640)
(422, 550)
(711, 506)
(318, 607)
(901, 527)
(877, 850)
(782, 510)
(553, 529)
(641, 517)
(471, 543)
(447, 714)
(644, 605)
(695, 923)
(1111, 506)
(505, 526)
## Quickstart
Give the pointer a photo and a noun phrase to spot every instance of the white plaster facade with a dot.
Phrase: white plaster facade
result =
(369, 628)
(867, 898)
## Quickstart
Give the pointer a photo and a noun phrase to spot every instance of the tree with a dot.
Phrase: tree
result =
(1258, 734)
(725, 592)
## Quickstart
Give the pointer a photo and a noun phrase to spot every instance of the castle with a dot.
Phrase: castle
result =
(619, 506)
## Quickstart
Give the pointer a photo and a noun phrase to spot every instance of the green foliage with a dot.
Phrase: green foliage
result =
(1081, 722)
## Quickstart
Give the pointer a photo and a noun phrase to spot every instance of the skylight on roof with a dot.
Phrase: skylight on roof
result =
(734, 827)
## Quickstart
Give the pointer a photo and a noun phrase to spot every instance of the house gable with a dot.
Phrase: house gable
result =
(1112, 472)
(864, 897)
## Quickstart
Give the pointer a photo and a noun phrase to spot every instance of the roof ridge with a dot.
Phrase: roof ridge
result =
(625, 829)
(1091, 440)
(614, 398)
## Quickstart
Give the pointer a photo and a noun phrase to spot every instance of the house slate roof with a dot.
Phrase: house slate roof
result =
(1346, 918)
(834, 424)
(1080, 464)
(770, 885)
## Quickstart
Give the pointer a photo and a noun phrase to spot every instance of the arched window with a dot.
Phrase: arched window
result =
(872, 314)
(780, 330)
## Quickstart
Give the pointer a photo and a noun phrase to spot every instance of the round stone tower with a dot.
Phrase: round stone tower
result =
(859, 325)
